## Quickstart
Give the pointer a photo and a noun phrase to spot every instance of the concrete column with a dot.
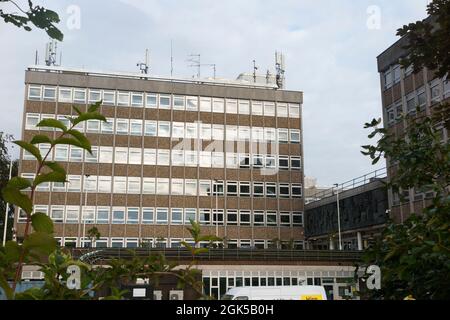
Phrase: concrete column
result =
(360, 244)
(331, 244)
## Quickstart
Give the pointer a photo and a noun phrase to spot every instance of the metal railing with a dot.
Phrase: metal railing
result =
(351, 184)
(181, 254)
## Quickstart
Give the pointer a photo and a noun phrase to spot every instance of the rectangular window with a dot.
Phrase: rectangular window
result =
(205, 104)
(79, 95)
(31, 121)
(396, 73)
(162, 186)
(120, 184)
(244, 217)
(47, 116)
(65, 95)
(244, 107)
(269, 109)
(176, 216)
(148, 215)
(257, 108)
(258, 189)
(163, 157)
(244, 161)
(178, 129)
(435, 91)
(72, 214)
(148, 186)
(136, 127)
(137, 100)
(205, 188)
(76, 154)
(177, 158)
(271, 218)
(297, 219)
(150, 129)
(231, 133)
(231, 106)
(91, 157)
(88, 215)
(296, 163)
(90, 183)
(122, 126)
(271, 162)
(121, 155)
(283, 190)
(131, 243)
(178, 103)
(94, 96)
(164, 102)
(135, 156)
(58, 187)
(258, 161)
(217, 159)
(116, 243)
(177, 187)
(218, 188)
(61, 152)
(283, 162)
(244, 189)
(282, 110)
(44, 149)
(150, 157)
(244, 133)
(191, 158)
(258, 218)
(49, 93)
(217, 217)
(387, 79)
(205, 131)
(134, 185)
(190, 214)
(283, 135)
(190, 187)
(411, 104)
(93, 126)
(257, 134)
(218, 105)
(294, 110)
(57, 214)
(285, 219)
(118, 215)
(232, 160)
(232, 188)
(123, 99)
(109, 98)
(217, 132)
(108, 126)
(34, 92)
(164, 129)
(104, 184)
(191, 103)
(232, 217)
(191, 130)
(74, 183)
(295, 136)
(205, 159)
(151, 100)
(205, 216)
(106, 155)
(161, 215)
(271, 190)
(132, 215)
(296, 190)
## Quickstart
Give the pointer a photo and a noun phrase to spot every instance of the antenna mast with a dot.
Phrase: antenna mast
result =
(50, 53)
(144, 66)
(280, 67)
(254, 71)
(171, 58)
(195, 62)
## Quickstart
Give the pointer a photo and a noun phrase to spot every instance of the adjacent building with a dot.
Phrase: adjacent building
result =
(403, 91)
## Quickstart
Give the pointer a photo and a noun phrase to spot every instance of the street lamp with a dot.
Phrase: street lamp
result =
(339, 216)
(5, 224)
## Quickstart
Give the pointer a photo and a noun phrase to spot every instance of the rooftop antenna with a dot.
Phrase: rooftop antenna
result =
(50, 53)
(144, 66)
(195, 62)
(280, 67)
(36, 58)
(254, 70)
(268, 76)
(213, 65)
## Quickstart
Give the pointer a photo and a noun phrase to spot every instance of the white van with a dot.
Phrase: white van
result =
(276, 293)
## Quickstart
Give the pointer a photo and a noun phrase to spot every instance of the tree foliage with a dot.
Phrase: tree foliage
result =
(38, 16)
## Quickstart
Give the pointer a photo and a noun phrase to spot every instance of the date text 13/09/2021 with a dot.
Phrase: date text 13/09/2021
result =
(243, 309)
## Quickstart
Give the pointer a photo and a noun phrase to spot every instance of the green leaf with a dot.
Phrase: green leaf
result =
(69, 141)
(88, 116)
(40, 138)
(12, 251)
(13, 195)
(19, 183)
(52, 123)
(30, 148)
(54, 176)
(81, 139)
(41, 242)
(77, 110)
(94, 107)
(6, 288)
(42, 223)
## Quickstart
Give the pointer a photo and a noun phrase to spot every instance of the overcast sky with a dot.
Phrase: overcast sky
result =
(330, 56)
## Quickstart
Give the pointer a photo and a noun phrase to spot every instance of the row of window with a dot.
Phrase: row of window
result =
(164, 216)
(105, 242)
(176, 130)
(163, 101)
(418, 99)
(166, 157)
(166, 186)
